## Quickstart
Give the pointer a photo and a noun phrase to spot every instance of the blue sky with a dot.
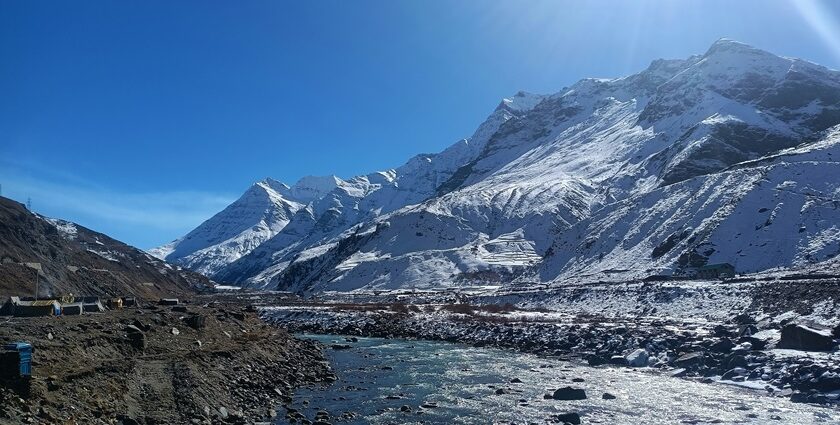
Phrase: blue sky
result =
(141, 119)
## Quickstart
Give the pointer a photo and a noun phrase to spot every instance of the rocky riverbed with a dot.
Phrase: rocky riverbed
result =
(398, 381)
(777, 356)
(194, 364)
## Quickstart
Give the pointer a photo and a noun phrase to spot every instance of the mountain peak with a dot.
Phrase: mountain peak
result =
(273, 184)
(727, 46)
(520, 102)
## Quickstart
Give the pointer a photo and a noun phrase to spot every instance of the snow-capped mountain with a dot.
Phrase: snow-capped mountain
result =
(260, 213)
(648, 174)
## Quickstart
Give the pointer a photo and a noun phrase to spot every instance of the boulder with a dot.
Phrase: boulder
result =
(731, 373)
(689, 360)
(569, 393)
(567, 418)
(595, 360)
(801, 337)
(756, 344)
(638, 358)
(724, 345)
(827, 382)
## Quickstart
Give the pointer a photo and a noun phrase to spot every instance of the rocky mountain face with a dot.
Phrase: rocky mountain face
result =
(75, 260)
(720, 157)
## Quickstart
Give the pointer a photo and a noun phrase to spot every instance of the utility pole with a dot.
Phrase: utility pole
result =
(37, 283)
(29, 204)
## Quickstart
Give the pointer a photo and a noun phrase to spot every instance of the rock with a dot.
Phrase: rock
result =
(742, 348)
(731, 373)
(223, 412)
(736, 360)
(608, 396)
(126, 420)
(133, 329)
(137, 340)
(568, 418)
(595, 360)
(569, 393)
(618, 360)
(801, 337)
(827, 382)
(141, 326)
(405, 408)
(747, 330)
(196, 321)
(501, 391)
(678, 373)
(175, 331)
(744, 319)
(799, 397)
(340, 346)
(515, 381)
(578, 380)
(638, 358)
(689, 360)
(836, 331)
(50, 336)
(721, 331)
(723, 346)
(755, 343)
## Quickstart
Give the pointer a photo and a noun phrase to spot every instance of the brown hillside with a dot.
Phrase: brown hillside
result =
(79, 261)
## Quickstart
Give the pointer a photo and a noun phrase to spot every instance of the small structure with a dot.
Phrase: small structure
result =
(8, 308)
(115, 303)
(72, 309)
(168, 301)
(129, 301)
(93, 307)
(16, 360)
(24, 308)
(716, 271)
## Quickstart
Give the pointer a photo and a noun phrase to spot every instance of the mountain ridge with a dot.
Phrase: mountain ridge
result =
(502, 202)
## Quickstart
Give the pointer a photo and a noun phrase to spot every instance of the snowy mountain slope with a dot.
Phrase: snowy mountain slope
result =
(366, 197)
(577, 164)
(262, 211)
(781, 211)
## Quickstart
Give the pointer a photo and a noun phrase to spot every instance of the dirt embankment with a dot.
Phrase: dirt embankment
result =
(157, 365)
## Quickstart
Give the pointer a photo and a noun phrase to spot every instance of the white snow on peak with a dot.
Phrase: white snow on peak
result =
(521, 102)
(311, 188)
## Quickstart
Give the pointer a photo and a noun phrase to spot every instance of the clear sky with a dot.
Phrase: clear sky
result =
(142, 118)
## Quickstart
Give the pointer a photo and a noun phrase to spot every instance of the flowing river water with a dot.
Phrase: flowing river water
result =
(459, 384)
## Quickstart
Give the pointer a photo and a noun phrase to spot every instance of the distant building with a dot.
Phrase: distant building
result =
(72, 309)
(716, 271)
(25, 308)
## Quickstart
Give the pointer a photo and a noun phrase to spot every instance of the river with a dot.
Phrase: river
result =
(377, 377)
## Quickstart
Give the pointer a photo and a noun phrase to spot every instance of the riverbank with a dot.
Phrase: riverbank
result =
(158, 365)
(743, 350)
